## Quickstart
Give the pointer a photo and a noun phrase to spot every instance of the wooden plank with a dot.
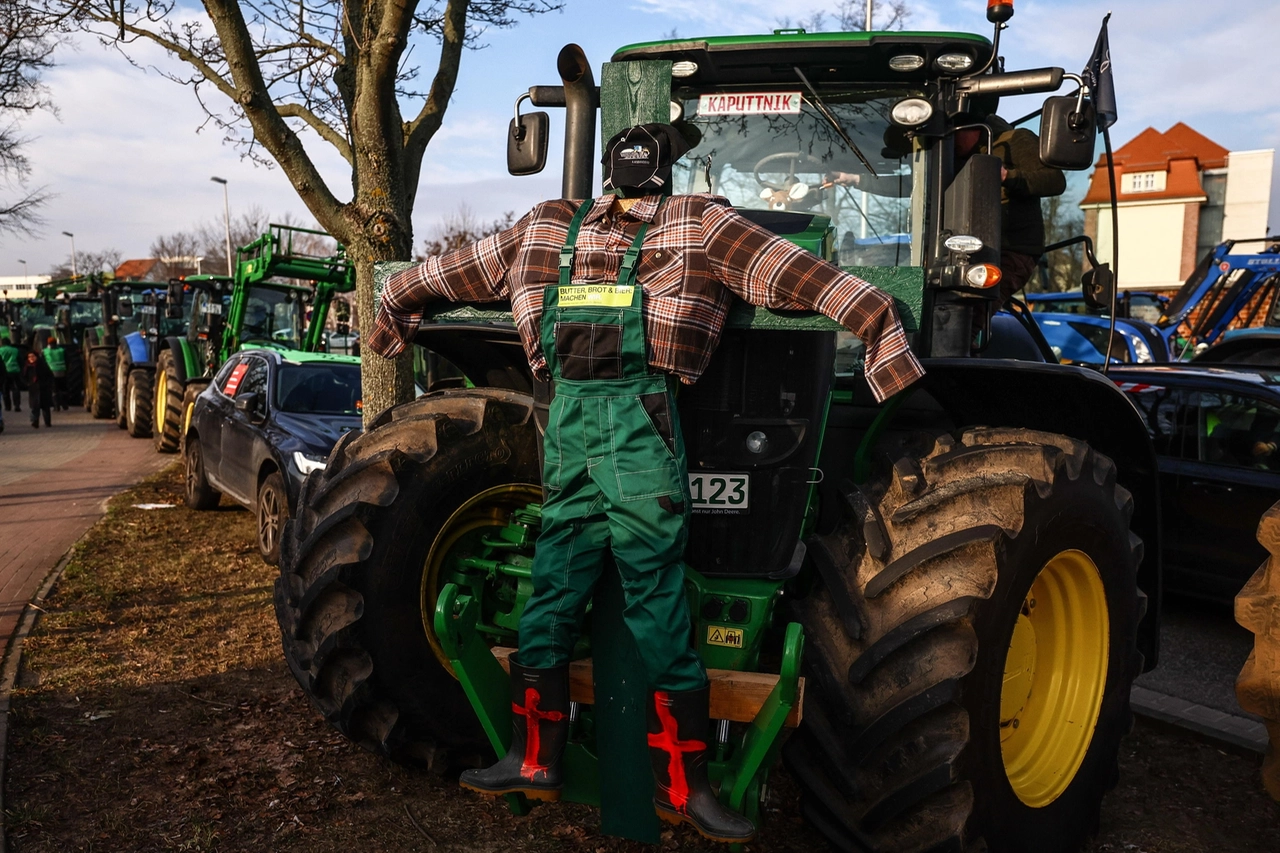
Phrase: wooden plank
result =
(633, 93)
(736, 696)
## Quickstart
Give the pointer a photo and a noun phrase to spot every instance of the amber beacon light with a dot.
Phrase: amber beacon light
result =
(999, 11)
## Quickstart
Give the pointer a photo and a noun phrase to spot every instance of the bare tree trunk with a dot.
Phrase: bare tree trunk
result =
(385, 382)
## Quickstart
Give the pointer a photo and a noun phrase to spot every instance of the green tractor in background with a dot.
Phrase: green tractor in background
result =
(932, 609)
(258, 306)
(69, 310)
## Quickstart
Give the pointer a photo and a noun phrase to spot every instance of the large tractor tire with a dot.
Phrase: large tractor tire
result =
(167, 411)
(971, 644)
(100, 385)
(75, 378)
(360, 564)
(124, 365)
(192, 390)
(139, 397)
(1258, 609)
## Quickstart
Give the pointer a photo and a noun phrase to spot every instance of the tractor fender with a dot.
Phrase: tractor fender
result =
(138, 354)
(180, 355)
(1082, 404)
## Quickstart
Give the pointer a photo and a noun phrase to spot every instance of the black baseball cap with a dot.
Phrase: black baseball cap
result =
(640, 157)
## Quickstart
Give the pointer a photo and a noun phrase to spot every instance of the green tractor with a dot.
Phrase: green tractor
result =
(258, 306)
(69, 310)
(931, 610)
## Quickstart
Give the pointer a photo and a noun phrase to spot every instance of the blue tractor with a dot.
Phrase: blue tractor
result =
(1228, 289)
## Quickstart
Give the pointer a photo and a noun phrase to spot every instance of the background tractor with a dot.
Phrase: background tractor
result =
(259, 305)
(948, 593)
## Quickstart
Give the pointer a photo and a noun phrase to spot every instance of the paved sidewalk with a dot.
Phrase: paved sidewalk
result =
(54, 484)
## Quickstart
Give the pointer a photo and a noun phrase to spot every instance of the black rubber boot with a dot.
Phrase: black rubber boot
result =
(678, 727)
(539, 731)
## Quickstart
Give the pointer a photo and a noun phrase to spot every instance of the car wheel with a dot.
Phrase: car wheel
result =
(273, 512)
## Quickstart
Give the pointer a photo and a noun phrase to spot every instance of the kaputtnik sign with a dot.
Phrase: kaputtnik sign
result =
(750, 103)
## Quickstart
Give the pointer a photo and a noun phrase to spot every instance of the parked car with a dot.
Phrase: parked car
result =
(268, 419)
(1216, 432)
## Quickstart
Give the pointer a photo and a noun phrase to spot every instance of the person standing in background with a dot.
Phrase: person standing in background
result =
(55, 355)
(39, 381)
(10, 385)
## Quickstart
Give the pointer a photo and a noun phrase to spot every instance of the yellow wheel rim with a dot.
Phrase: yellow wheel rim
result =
(491, 508)
(162, 400)
(1054, 675)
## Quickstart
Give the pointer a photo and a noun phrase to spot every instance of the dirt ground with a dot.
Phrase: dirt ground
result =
(154, 712)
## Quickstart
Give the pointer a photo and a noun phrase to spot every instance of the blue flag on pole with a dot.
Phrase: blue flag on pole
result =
(1097, 76)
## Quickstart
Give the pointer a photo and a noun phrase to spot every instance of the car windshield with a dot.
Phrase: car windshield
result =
(795, 160)
(273, 315)
(319, 388)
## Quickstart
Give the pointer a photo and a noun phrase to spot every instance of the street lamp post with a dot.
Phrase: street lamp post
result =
(226, 212)
(75, 273)
(24, 273)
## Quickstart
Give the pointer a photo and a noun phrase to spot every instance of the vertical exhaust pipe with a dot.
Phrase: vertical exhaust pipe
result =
(580, 100)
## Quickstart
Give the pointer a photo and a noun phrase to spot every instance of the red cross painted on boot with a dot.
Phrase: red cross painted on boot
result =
(668, 740)
(530, 768)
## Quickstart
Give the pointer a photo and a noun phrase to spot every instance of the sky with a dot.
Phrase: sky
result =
(129, 158)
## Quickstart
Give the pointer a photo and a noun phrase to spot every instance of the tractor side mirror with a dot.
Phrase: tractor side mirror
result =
(1068, 127)
(1099, 286)
(173, 301)
(527, 143)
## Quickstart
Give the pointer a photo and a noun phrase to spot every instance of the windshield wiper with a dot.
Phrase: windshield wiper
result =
(831, 120)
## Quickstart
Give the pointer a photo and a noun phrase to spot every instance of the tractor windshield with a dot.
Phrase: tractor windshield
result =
(272, 314)
(86, 312)
(797, 161)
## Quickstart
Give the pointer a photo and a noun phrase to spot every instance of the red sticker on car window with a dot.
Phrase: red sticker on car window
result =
(233, 381)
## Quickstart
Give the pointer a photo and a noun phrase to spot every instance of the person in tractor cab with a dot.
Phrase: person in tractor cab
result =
(618, 300)
(1024, 180)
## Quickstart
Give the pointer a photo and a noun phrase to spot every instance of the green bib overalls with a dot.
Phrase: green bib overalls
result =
(615, 478)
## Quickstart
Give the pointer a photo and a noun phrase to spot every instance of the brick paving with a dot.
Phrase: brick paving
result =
(54, 484)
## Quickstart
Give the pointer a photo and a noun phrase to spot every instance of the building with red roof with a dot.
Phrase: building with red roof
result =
(1179, 194)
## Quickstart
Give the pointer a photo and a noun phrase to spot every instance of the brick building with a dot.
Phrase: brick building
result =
(1180, 194)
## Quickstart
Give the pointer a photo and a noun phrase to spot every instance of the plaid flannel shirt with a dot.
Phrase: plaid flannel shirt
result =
(698, 253)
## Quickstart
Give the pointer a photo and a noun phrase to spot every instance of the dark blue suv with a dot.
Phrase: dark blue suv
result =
(268, 419)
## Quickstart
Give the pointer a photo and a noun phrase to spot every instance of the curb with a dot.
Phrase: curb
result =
(1230, 729)
(9, 671)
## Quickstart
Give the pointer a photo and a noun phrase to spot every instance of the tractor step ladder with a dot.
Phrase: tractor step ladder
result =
(735, 696)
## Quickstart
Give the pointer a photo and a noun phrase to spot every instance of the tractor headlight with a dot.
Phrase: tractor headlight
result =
(757, 442)
(906, 62)
(684, 68)
(911, 112)
(1141, 352)
(954, 63)
(306, 463)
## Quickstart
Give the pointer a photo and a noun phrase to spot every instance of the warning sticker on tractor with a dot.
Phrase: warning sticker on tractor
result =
(720, 635)
(750, 103)
(606, 295)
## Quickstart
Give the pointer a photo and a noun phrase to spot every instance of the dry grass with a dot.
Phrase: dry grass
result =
(154, 712)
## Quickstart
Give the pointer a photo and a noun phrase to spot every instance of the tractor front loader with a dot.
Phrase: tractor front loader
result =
(931, 609)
